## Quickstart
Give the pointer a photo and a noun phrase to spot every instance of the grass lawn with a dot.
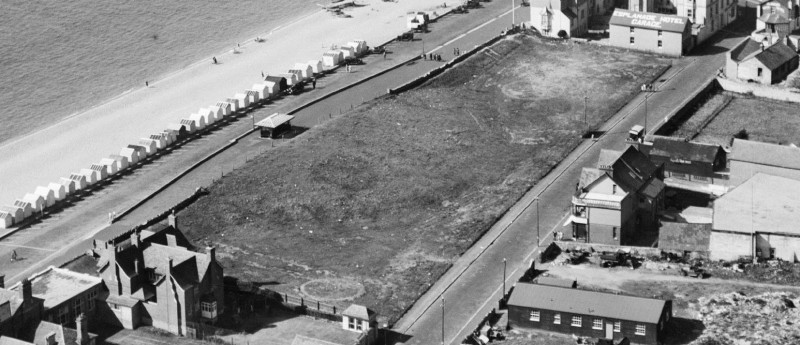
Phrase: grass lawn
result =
(389, 195)
(765, 120)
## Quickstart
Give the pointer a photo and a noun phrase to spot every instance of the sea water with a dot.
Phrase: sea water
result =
(58, 58)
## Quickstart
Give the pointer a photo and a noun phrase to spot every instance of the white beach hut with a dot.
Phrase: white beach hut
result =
(298, 73)
(69, 185)
(226, 108)
(79, 180)
(47, 194)
(37, 202)
(253, 95)
(130, 154)
(208, 115)
(234, 102)
(170, 136)
(141, 151)
(306, 69)
(177, 130)
(359, 46)
(150, 146)
(59, 190)
(199, 120)
(316, 66)
(92, 176)
(160, 140)
(348, 51)
(27, 208)
(110, 165)
(219, 113)
(291, 78)
(332, 58)
(243, 99)
(262, 89)
(273, 88)
(102, 172)
(189, 125)
(17, 214)
(122, 161)
(6, 220)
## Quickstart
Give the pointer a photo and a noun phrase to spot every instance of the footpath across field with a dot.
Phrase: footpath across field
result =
(374, 206)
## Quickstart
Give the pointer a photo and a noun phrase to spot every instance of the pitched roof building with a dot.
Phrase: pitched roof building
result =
(19, 310)
(748, 158)
(687, 160)
(560, 18)
(761, 62)
(66, 294)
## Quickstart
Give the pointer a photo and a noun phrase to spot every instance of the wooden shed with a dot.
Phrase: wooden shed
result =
(262, 89)
(253, 96)
(102, 172)
(17, 214)
(26, 207)
(189, 125)
(209, 115)
(199, 121)
(234, 102)
(332, 58)
(291, 78)
(306, 69)
(243, 99)
(91, 176)
(37, 201)
(78, 180)
(122, 162)
(47, 194)
(298, 74)
(226, 107)
(110, 166)
(274, 125)
(59, 190)
(69, 185)
(316, 66)
(276, 84)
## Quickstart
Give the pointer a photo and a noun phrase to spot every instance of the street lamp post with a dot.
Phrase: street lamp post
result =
(538, 240)
(513, 19)
(442, 320)
(585, 100)
(647, 89)
(504, 278)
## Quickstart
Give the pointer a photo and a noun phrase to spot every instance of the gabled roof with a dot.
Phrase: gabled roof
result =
(682, 149)
(607, 158)
(274, 120)
(763, 203)
(588, 176)
(765, 154)
(64, 335)
(585, 302)
(358, 311)
(776, 55)
(12, 298)
(568, 12)
(633, 170)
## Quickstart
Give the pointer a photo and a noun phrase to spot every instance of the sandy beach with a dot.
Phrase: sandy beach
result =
(77, 142)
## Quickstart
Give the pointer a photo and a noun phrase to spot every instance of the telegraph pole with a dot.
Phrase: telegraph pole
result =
(513, 17)
(442, 320)
(504, 277)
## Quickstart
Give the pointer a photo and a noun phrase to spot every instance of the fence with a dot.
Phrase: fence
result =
(310, 307)
(759, 90)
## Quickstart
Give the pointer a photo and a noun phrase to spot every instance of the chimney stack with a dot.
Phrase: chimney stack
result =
(211, 253)
(135, 239)
(170, 266)
(171, 240)
(173, 221)
(2, 281)
(136, 265)
(26, 291)
(81, 329)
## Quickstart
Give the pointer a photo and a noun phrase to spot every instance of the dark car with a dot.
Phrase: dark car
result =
(352, 60)
(406, 36)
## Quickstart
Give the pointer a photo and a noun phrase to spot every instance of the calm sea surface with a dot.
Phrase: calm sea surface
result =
(58, 58)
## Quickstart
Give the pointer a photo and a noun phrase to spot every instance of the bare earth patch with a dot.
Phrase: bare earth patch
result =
(390, 194)
(332, 289)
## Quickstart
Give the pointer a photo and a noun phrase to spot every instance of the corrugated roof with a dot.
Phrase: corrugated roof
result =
(776, 55)
(684, 236)
(765, 154)
(763, 203)
(647, 20)
(584, 302)
(682, 149)
(274, 120)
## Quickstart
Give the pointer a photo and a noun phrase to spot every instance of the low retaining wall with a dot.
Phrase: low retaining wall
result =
(687, 108)
(759, 90)
(598, 247)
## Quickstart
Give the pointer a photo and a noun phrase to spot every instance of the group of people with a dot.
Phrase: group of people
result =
(432, 57)
(456, 51)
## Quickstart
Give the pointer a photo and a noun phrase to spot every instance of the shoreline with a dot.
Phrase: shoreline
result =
(76, 141)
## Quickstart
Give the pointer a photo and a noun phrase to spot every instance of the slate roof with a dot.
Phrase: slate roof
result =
(607, 158)
(358, 311)
(12, 341)
(765, 154)
(763, 203)
(585, 302)
(776, 55)
(633, 170)
(684, 236)
(568, 12)
(588, 176)
(13, 299)
(682, 149)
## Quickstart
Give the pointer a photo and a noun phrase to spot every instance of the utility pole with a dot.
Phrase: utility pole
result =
(585, 100)
(504, 278)
(538, 240)
(513, 17)
(442, 320)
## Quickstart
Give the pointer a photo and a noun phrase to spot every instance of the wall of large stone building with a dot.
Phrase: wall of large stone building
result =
(786, 247)
(729, 246)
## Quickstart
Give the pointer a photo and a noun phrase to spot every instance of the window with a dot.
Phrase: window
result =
(631, 40)
(63, 315)
(640, 330)
(78, 306)
(614, 232)
(632, 29)
(659, 33)
(534, 315)
(557, 319)
(576, 321)
(660, 44)
(760, 71)
(618, 326)
(90, 299)
(689, 14)
(359, 325)
(597, 324)
(352, 323)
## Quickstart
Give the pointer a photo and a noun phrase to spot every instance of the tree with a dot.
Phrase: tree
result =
(742, 134)
(563, 34)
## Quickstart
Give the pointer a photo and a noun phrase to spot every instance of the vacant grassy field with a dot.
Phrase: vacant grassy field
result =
(387, 196)
(764, 120)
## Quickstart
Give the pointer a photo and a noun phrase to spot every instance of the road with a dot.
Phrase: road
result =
(66, 234)
(473, 286)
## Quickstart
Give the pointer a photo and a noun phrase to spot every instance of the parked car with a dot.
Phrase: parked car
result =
(406, 36)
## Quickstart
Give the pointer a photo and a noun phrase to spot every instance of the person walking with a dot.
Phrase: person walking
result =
(313, 83)
(13, 255)
(458, 51)
(214, 59)
(384, 55)
(454, 51)
(146, 83)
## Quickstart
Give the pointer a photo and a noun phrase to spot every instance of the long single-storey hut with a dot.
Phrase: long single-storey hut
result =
(59, 190)
(332, 58)
(79, 181)
(189, 125)
(47, 194)
(69, 185)
(262, 89)
(235, 104)
(226, 107)
(276, 84)
(199, 120)
(102, 172)
(16, 213)
(244, 100)
(91, 176)
(208, 115)
(291, 78)
(27, 208)
(274, 125)
(298, 73)
(347, 51)
(252, 95)
(37, 201)
(306, 69)
(122, 161)
(161, 140)
(316, 66)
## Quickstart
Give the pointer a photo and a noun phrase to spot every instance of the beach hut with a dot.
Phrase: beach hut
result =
(347, 52)
(252, 95)
(6, 220)
(244, 100)
(27, 208)
(276, 85)
(69, 185)
(316, 66)
(102, 172)
(140, 151)
(47, 194)
(110, 165)
(298, 73)
(291, 78)
(170, 135)
(91, 176)
(160, 140)
(219, 113)
(208, 115)
(150, 146)
(199, 120)
(234, 102)
(59, 190)
(226, 107)
(262, 89)
(37, 202)
(332, 58)
(189, 125)
(129, 154)
(179, 130)
(274, 125)
(122, 161)
(359, 46)
(79, 181)
(306, 69)
(17, 214)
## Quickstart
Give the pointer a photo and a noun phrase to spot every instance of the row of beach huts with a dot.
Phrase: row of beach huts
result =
(133, 155)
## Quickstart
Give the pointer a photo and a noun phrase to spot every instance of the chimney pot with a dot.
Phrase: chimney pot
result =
(173, 221)
(26, 291)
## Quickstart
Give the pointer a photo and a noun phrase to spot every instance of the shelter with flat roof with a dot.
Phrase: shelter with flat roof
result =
(274, 125)
(588, 313)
